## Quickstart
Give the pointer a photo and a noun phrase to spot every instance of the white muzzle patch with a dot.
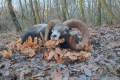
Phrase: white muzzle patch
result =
(55, 35)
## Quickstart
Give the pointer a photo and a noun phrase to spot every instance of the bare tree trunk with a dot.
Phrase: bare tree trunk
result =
(64, 9)
(14, 18)
(22, 10)
(43, 11)
(109, 11)
(50, 7)
(99, 13)
(26, 6)
(57, 8)
(39, 10)
(33, 12)
(82, 10)
(36, 9)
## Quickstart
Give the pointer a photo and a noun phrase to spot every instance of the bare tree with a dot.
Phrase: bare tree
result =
(22, 10)
(94, 12)
(33, 12)
(43, 11)
(82, 10)
(36, 9)
(14, 18)
(99, 12)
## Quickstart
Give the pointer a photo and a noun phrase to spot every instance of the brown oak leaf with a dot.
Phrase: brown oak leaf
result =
(7, 54)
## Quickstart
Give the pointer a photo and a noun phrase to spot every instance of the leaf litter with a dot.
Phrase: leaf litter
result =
(102, 63)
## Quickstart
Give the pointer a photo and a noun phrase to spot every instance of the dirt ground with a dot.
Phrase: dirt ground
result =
(104, 63)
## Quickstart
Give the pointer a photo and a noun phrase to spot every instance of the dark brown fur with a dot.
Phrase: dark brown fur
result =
(83, 28)
(53, 22)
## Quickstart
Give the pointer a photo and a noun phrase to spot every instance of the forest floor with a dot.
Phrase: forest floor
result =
(104, 63)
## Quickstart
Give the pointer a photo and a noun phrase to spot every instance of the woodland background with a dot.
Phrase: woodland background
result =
(102, 17)
(20, 14)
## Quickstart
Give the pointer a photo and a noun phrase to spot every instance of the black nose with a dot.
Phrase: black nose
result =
(54, 36)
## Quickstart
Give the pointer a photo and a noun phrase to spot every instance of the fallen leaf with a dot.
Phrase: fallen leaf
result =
(58, 55)
(31, 53)
(28, 52)
(50, 44)
(73, 58)
(88, 47)
(7, 54)
(57, 75)
(84, 55)
(87, 72)
(82, 77)
(11, 45)
(49, 55)
(29, 41)
(53, 43)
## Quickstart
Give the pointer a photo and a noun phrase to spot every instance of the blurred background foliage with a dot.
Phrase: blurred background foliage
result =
(17, 15)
